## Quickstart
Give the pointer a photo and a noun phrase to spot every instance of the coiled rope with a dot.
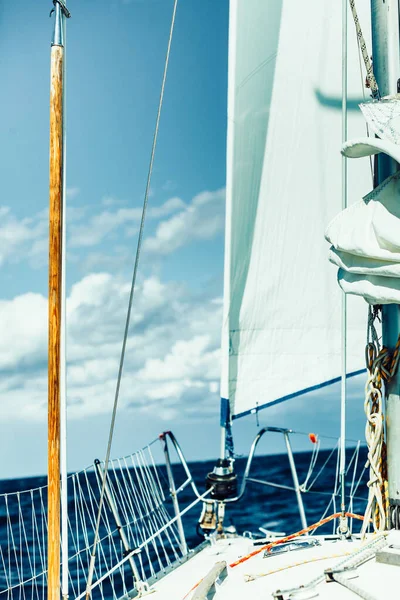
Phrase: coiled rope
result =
(128, 316)
(382, 366)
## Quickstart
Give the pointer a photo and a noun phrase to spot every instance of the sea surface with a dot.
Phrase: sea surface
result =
(276, 509)
(272, 508)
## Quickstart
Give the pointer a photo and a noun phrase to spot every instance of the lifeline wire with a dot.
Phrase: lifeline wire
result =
(135, 270)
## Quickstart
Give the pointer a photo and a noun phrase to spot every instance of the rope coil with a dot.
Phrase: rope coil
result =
(381, 366)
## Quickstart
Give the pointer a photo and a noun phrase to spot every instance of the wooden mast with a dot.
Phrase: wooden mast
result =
(55, 272)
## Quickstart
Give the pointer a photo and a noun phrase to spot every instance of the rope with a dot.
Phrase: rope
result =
(268, 547)
(375, 441)
(371, 81)
(135, 270)
(271, 545)
(355, 560)
(252, 577)
(372, 334)
(381, 365)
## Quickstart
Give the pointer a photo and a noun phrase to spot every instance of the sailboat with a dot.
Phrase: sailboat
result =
(283, 313)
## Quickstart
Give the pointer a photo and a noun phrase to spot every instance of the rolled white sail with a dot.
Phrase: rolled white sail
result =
(383, 117)
(365, 242)
(281, 327)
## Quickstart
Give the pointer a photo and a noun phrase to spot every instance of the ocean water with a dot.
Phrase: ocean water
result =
(276, 509)
(272, 508)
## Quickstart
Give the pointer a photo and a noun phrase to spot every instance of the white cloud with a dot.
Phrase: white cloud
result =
(169, 207)
(73, 192)
(179, 362)
(21, 238)
(100, 261)
(101, 225)
(171, 360)
(23, 330)
(27, 238)
(202, 219)
(104, 224)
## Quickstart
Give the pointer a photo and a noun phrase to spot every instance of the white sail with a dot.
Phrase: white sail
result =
(365, 243)
(281, 326)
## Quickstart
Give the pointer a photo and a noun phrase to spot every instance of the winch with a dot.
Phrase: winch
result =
(223, 479)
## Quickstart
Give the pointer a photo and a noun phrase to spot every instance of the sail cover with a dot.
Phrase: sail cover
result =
(282, 306)
(365, 237)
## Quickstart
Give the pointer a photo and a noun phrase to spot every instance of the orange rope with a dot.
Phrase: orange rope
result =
(268, 547)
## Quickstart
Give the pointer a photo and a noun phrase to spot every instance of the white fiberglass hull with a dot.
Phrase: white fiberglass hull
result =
(260, 577)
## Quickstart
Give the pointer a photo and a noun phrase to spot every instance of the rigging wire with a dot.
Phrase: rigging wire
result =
(343, 395)
(127, 322)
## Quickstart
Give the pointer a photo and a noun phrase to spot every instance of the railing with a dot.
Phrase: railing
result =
(246, 476)
(355, 472)
(300, 490)
(140, 539)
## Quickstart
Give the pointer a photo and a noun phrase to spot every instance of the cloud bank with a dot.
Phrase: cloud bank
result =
(172, 357)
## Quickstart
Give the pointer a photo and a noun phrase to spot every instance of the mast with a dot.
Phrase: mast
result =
(56, 186)
(385, 53)
(63, 359)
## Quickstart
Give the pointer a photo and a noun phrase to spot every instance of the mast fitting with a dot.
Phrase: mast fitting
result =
(63, 7)
(60, 11)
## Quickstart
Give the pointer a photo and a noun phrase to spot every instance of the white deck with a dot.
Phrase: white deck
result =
(288, 570)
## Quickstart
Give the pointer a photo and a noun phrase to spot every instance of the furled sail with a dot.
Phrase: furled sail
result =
(365, 237)
(281, 323)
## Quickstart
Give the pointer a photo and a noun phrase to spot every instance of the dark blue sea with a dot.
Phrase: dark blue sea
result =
(261, 506)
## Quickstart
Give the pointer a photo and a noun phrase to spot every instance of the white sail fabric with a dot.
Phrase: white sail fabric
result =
(365, 242)
(281, 328)
(383, 117)
(369, 146)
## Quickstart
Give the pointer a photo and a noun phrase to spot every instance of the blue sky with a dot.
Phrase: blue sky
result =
(116, 51)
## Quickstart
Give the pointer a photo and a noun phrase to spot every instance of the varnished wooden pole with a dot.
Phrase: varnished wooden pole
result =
(55, 268)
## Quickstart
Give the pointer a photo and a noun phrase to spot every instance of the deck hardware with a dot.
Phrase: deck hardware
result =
(346, 573)
(296, 486)
(391, 554)
(291, 546)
